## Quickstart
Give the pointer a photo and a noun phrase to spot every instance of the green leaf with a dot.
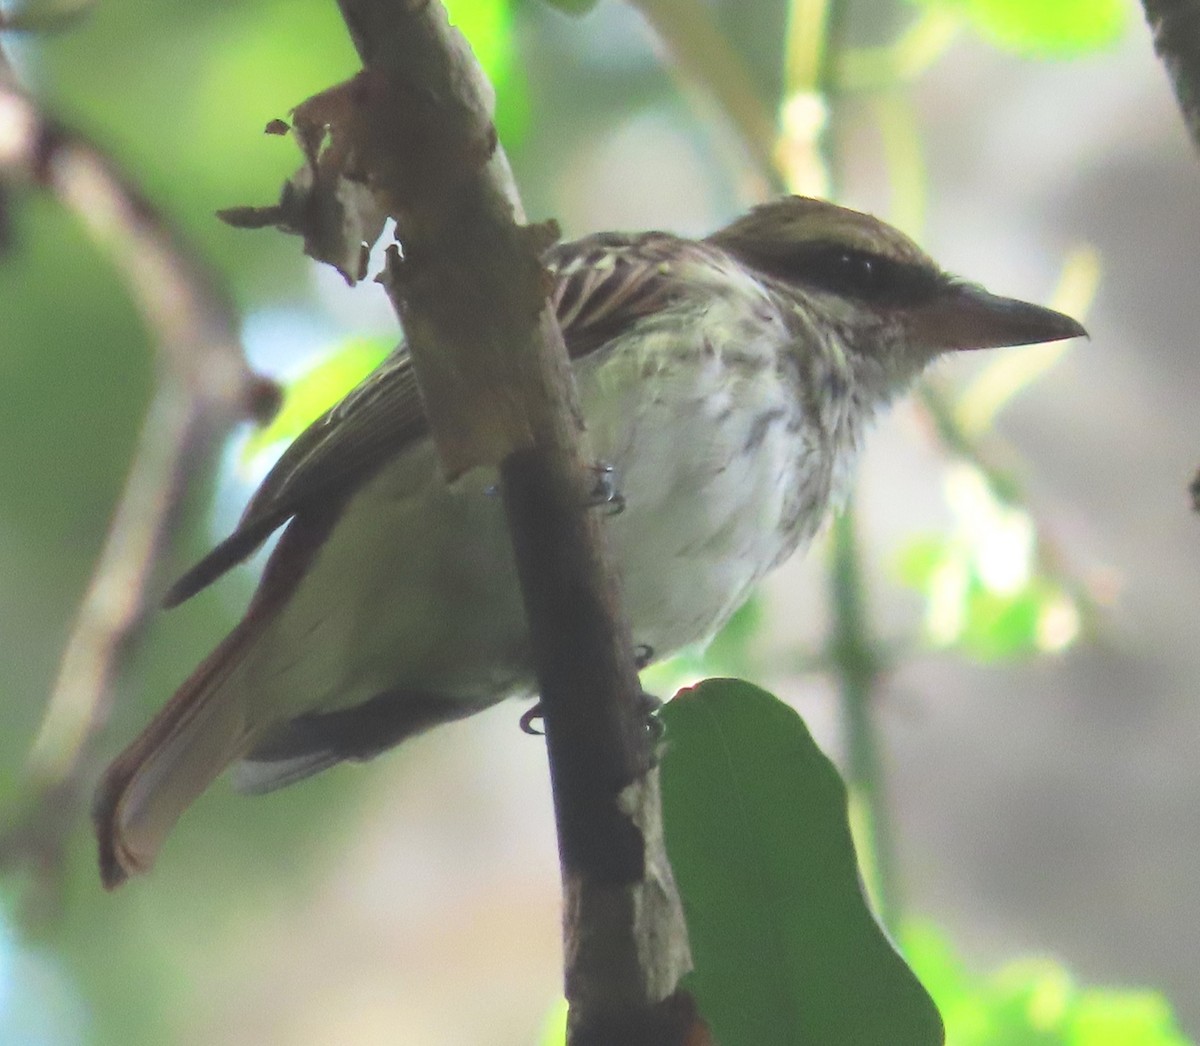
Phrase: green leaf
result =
(308, 397)
(1044, 28)
(785, 947)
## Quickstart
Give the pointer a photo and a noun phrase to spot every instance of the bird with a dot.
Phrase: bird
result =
(726, 382)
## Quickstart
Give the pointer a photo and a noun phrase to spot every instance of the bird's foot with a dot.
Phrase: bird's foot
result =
(606, 494)
(648, 705)
(527, 720)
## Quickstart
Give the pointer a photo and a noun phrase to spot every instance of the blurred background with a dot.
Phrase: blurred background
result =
(1030, 563)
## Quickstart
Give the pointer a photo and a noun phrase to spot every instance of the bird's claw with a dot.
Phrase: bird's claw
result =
(648, 705)
(605, 493)
(527, 721)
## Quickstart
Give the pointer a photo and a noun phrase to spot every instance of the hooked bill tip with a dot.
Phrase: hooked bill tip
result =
(968, 317)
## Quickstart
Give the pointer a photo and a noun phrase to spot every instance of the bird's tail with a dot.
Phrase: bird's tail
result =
(198, 733)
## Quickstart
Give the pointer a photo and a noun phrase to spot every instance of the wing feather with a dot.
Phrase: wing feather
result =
(604, 284)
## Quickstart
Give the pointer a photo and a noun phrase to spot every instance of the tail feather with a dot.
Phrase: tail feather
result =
(308, 744)
(204, 727)
(146, 789)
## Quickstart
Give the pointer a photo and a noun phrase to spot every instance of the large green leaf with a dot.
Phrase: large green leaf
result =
(786, 950)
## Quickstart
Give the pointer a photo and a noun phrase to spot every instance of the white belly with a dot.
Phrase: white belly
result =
(415, 588)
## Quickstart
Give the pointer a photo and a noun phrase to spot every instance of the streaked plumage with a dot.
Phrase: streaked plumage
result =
(727, 381)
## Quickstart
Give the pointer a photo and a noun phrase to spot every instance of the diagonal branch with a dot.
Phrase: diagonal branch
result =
(204, 387)
(416, 126)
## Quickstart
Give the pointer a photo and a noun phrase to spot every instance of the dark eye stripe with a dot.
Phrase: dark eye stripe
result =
(854, 273)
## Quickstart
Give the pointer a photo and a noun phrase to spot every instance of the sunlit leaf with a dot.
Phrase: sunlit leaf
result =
(919, 559)
(555, 1031)
(1047, 28)
(1118, 1018)
(314, 392)
(487, 24)
(785, 947)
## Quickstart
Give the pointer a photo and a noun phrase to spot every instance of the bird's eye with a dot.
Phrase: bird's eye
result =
(858, 270)
(862, 274)
(852, 272)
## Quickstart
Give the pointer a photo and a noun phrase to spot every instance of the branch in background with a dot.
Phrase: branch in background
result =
(854, 656)
(204, 388)
(415, 127)
(1175, 25)
(703, 56)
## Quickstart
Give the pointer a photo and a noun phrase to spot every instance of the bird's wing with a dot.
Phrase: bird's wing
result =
(603, 285)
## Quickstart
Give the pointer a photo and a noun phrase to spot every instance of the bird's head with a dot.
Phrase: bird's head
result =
(890, 306)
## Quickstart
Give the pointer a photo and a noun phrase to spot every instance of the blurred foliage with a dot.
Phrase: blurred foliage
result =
(988, 585)
(555, 1031)
(731, 653)
(785, 947)
(1034, 1002)
(313, 392)
(45, 16)
(1043, 28)
(983, 591)
(179, 91)
(572, 7)
(188, 115)
(488, 24)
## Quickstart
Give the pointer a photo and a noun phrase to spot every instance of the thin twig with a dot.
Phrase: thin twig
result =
(204, 387)
(1175, 25)
(701, 53)
(853, 654)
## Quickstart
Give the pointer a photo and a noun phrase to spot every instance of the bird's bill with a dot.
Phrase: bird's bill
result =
(968, 317)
